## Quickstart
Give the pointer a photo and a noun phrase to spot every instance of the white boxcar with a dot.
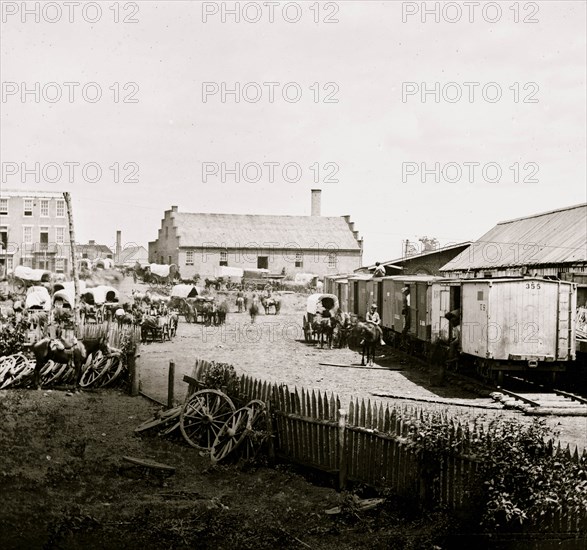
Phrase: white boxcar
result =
(530, 320)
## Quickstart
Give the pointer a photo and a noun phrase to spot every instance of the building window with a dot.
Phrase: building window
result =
(43, 238)
(3, 207)
(28, 207)
(262, 262)
(27, 234)
(168, 260)
(45, 208)
(60, 265)
(224, 257)
(299, 259)
(167, 232)
(332, 259)
(60, 210)
(4, 238)
(60, 235)
(189, 257)
(9, 263)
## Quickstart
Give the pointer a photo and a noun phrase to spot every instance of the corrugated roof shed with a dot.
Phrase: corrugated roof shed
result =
(555, 237)
(241, 231)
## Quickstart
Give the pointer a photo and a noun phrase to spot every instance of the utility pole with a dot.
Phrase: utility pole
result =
(67, 198)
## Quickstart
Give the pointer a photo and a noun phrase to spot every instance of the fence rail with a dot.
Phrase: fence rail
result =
(369, 443)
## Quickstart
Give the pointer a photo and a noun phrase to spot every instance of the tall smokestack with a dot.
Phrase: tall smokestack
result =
(118, 245)
(316, 201)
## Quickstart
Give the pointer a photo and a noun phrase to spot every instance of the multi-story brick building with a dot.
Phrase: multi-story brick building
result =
(33, 231)
(200, 243)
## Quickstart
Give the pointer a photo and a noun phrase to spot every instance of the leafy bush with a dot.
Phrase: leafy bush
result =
(520, 478)
(13, 336)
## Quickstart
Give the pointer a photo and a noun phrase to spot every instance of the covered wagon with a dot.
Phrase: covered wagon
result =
(38, 298)
(181, 293)
(318, 304)
(25, 277)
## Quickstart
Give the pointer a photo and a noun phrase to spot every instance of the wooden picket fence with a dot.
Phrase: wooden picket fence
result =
(370, 444)
(114, 332)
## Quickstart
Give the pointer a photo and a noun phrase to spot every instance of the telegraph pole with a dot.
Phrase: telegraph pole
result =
(67, 198)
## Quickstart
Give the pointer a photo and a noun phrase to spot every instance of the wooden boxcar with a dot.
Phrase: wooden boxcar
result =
(519, 324)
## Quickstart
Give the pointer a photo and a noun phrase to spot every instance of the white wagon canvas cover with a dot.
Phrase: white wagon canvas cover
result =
(317, 302)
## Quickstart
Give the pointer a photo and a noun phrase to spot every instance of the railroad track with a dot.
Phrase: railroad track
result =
(541, 400)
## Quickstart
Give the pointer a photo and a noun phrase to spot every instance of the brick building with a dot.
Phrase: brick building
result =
(200, 243)
(33, 231)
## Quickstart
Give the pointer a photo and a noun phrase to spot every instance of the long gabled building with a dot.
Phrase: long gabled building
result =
(201, 243)
(549, 244)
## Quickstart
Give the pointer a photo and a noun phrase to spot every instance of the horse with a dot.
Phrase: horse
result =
(75, 352)
(368, 333)
(123, 317)
(342, 328)
(173, 322)
(189, 311)
(222, 312)
(208, 310)
(268, 302)
(254, 308)
(323, 327)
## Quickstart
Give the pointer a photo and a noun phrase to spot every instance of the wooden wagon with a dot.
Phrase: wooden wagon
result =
(316, 305)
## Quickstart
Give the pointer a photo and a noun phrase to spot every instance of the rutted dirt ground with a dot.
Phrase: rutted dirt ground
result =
(273, 349)
(65, 484)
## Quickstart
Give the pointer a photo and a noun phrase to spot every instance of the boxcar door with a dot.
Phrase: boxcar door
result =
(422, 311)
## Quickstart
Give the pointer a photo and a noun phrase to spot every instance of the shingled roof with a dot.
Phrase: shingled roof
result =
(241, 231)
(555, 237)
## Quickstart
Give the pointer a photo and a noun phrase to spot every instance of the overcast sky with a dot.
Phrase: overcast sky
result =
(367, 56)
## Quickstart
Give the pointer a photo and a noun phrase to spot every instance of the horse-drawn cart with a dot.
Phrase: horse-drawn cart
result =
(318, 304)
(25, 277)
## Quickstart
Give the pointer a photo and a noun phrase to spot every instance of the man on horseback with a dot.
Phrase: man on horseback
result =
(373, 318)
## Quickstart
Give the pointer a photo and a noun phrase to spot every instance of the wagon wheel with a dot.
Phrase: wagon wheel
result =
(238, 428)
(94, 372)
(57, 372)
(113, 372)
(256, 436)
(203, 415)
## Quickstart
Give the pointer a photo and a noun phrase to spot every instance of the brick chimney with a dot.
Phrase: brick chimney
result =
(316, 202)
(91, 243)
(118, 245)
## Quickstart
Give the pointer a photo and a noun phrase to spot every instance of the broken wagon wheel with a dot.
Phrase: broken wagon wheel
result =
(159, 421)
(202, 417)
(238, 428)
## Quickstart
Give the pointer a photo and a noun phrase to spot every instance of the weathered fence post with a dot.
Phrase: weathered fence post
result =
(269, 428)
(342, 462)
(133, 370)
(171, 385)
